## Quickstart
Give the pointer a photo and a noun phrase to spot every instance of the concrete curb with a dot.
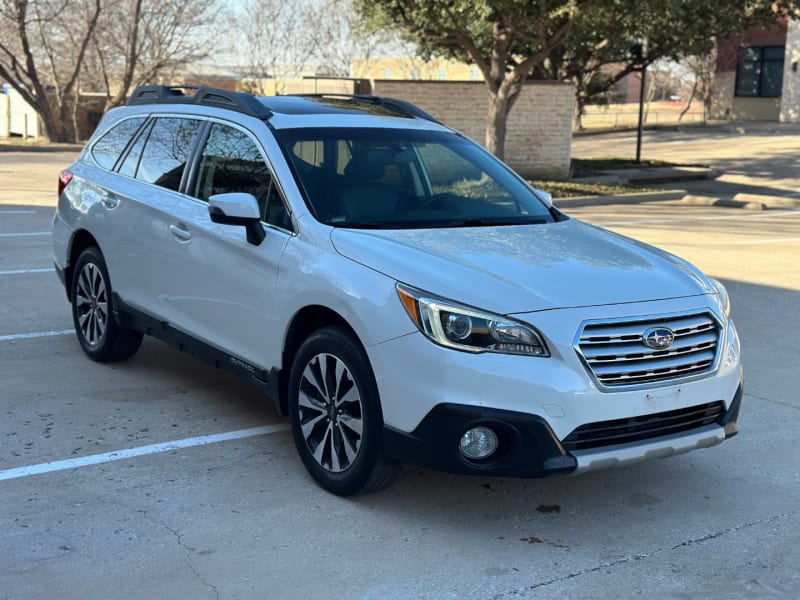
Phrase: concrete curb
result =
(768, 200)
(745, 201)
(664, 174)
(635, 198)
(650, 175)
(23, 147)
(724, 202)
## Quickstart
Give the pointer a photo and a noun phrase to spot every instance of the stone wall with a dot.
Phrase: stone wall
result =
(790, 101)
(539, 135)
(722, 95)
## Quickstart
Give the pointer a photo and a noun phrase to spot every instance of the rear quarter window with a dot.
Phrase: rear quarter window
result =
(167, 151)
(111, 145)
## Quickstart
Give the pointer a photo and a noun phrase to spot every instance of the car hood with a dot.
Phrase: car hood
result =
(524, 268)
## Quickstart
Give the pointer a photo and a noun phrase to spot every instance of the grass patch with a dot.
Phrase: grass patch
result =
(587, 167)
(570, 189)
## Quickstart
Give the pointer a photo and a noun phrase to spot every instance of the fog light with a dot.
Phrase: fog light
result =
(478, 443)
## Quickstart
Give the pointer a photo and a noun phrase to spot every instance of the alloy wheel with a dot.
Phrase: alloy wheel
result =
(92, 304)
(331, 412)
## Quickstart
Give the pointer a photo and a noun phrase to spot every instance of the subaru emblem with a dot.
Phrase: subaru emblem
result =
(658, 338)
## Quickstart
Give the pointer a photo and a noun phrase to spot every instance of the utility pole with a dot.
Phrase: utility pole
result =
(641, 50)
(643, 73)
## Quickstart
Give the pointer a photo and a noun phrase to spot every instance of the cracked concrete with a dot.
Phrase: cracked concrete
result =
(190, 551)
(522, 592)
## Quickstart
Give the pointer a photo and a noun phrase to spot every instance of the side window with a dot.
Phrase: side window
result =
(167, 150)
(108, 148)
(231, 162)
(131, 161)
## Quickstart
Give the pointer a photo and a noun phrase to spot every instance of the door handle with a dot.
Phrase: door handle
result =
(179, 232)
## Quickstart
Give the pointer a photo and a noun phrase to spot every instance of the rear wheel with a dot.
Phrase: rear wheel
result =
(336, 417)
(101, 338)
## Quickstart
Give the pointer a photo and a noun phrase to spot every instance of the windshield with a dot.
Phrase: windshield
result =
(405, 179)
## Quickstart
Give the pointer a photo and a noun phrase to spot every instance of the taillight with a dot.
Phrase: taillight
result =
(63, 179)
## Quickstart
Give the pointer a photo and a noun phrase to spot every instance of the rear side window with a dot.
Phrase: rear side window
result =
(108, 148)
(131, 161)
(167, 151)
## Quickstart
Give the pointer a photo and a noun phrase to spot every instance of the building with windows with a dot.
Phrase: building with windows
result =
(757, 77)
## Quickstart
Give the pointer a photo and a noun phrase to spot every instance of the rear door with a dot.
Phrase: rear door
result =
(145, 248)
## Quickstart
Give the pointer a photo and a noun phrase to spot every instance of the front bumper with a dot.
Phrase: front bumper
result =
(528, 446)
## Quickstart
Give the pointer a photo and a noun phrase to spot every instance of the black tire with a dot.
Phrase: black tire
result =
(101, 338)
(336, 415)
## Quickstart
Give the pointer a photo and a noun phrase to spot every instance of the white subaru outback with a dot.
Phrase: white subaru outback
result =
(400, 293)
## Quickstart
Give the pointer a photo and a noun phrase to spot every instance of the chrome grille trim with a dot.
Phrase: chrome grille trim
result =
(614, 353)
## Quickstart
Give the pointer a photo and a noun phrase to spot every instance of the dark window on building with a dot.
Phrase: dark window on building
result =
(167, 150)
(760, 72)
(109, 147)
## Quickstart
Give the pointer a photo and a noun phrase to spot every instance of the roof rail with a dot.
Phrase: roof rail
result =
(393, 104)
(203, 95)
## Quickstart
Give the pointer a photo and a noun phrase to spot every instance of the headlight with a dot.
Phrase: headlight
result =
(467, 329)
(724, 299)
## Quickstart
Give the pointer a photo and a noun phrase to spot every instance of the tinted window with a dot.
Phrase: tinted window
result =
(168, 148)
(109, 147)
(231, 162)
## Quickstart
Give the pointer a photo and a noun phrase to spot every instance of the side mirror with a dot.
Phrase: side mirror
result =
(237, 208)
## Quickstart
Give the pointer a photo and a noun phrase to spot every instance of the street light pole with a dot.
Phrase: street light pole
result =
(641, 115)
(642, 52)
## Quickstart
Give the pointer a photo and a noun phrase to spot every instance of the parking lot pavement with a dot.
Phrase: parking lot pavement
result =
(750, 158)
(154, 506)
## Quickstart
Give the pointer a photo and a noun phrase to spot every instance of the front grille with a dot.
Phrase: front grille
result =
(634, 429)
(616, 354)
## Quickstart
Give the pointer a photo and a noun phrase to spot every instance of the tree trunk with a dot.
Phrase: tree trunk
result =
(53, 127)
(689, 103)
(496, 123)
(500, 104)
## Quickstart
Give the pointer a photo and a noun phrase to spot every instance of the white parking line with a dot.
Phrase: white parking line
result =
(766, 241)
(766, 215)
(26, 271)
(38, 334)
(96, 459)
(17, 212)
(30, 234)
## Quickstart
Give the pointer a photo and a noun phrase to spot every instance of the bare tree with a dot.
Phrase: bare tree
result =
(49, 49)
(341, 44)
(701, 69)
(42, 48)
(275, 42)
(138, 41)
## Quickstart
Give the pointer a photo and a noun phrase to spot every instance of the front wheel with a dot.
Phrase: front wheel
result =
(101, 338)
(336, 416)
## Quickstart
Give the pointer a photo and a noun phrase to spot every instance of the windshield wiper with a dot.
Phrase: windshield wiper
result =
(492, 221)
(444, 223)
(370, 225)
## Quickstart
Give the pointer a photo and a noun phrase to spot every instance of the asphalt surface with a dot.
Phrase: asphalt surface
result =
(153, 506)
